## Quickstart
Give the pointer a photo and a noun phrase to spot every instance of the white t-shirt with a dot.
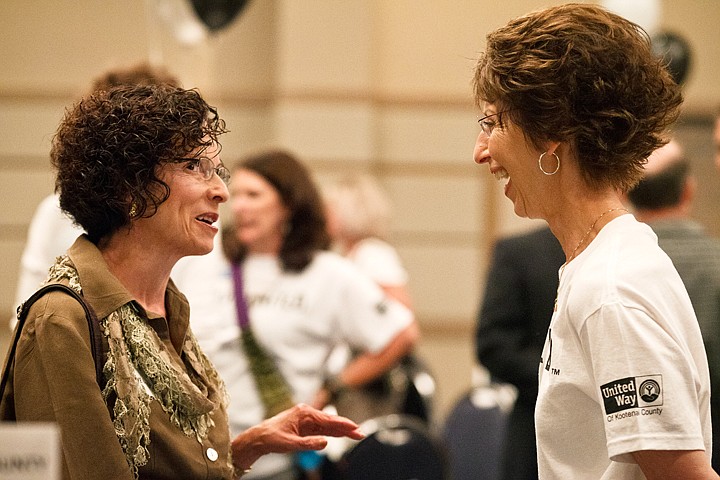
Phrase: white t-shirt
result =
(623, 368)
(50, 234)
(380, 261)
(297, 317)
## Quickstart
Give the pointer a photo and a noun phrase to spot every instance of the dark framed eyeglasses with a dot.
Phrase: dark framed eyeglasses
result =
(488, 123)
(205, 167)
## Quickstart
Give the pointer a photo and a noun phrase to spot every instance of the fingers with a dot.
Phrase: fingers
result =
(315, 442)
(335, 429)
(356, 434)
(315, 422)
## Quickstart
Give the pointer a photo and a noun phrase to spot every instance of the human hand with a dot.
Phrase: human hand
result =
(298, 428)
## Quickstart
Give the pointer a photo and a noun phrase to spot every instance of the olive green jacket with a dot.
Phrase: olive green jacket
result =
(54, 381)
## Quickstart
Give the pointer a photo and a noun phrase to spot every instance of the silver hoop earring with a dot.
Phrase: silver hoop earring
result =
(541, 165)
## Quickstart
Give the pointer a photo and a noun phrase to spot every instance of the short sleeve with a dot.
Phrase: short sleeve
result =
(645, 381)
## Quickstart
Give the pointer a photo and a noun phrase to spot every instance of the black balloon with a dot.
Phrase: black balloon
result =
(675, 51)
(218, 14)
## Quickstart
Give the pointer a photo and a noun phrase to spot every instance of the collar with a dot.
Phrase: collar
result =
(105, 294)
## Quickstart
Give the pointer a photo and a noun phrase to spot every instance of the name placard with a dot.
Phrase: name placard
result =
(29, 451)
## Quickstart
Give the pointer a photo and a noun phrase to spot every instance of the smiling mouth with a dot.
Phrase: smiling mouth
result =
(501, 174)
(207, 219)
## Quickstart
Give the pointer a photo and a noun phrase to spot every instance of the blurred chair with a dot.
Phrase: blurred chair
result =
(407, 389)
(419, 389)
(474, 432)
(396, 447)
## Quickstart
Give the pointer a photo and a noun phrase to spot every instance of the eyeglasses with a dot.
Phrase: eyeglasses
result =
(205, 167)
(488, 126)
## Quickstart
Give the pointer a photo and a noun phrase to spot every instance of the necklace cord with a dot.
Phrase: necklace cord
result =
(592, 227)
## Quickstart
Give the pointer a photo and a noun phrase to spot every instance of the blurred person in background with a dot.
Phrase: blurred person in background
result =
(664, 199)
(272, 308)
(512, 322)
(358, 220)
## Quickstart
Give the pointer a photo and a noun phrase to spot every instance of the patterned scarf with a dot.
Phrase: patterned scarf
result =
(272, 387)
(138, 369)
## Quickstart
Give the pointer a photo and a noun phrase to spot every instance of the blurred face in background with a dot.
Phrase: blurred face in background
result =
(259, 213)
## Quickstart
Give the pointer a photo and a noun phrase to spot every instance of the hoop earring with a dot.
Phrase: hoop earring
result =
(541, 165)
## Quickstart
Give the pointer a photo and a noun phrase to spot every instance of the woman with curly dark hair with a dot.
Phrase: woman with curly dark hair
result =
(573, 103)
(279, 286)
(138, 167)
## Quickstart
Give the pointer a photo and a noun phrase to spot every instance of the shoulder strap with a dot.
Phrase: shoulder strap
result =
(96, 344)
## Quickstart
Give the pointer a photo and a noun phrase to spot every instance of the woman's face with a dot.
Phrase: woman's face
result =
(512, 159)
(185, 222)
(259, 213)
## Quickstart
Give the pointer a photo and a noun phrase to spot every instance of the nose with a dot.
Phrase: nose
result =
(219, 191)
(480, 153)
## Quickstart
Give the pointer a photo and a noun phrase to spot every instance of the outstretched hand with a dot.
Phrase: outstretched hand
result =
(298, 428)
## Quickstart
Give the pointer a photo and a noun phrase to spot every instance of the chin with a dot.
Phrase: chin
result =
(203, 249)
(520, 212)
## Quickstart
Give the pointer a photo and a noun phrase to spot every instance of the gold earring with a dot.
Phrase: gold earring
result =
(133, 210)
(549, 172)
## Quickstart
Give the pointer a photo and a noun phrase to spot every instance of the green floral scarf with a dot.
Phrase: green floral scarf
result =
(138, 369)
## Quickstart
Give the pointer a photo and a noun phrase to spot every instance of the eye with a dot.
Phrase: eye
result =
(193, 165)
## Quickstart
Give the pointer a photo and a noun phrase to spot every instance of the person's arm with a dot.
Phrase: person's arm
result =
(298, 428)
(674, 464)
(399, 293)
(368, 366)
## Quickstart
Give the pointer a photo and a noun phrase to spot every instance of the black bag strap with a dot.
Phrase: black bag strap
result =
(96, 341)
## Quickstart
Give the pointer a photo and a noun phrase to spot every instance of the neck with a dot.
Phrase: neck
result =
(578, 227)
(143, 268)
(267, 246)
(349, 244)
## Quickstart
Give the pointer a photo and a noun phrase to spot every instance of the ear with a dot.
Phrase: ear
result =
(554, 147)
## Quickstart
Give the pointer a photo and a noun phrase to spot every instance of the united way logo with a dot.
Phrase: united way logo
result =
(632, 392)
(649, 391)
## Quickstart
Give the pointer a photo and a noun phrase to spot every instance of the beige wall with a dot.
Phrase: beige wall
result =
(375, 85)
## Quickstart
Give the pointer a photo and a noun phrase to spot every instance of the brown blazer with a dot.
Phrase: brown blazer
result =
(54, 381)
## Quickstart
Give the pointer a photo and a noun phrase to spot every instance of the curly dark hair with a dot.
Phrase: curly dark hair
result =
(307, 232)
(142, 73)
(109, 145)
(577, 73)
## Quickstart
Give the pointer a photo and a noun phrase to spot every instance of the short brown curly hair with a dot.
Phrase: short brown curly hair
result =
(577, 73)
(142, 73)
(108, 146)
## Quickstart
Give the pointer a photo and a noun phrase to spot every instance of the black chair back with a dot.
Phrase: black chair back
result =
(396, 447)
